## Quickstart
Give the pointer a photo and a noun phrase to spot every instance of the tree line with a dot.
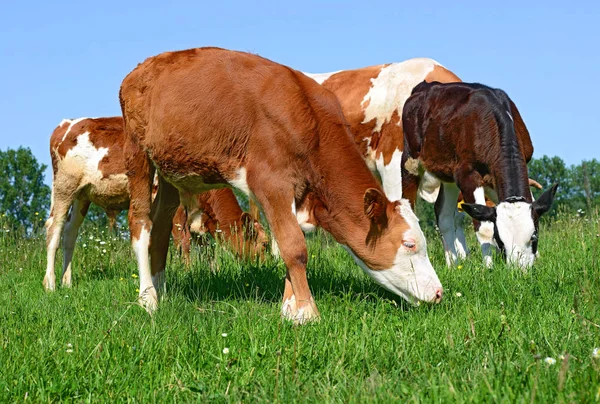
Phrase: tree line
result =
(25, 198)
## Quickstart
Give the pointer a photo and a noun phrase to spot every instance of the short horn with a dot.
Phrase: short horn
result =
(534, 183)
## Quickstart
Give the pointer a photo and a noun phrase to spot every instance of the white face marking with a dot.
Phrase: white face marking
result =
(391, 175)
(411, 276)
(510, 116)
(392, 87)
(515, 229)
(240, 182)
(320, 77)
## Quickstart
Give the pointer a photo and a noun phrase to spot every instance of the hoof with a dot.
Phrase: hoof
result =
(292, 311)
(148, 299)
(66, 281)
(49, 284)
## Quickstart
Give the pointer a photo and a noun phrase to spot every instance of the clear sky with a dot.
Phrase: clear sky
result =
(64, 59)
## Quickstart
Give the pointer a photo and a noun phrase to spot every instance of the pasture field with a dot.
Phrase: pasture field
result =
(218, 337)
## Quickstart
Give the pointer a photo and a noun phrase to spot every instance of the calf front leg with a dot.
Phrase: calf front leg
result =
(277, 201)
(471, 185)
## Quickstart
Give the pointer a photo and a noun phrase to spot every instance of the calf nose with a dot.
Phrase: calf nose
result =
(438, 295)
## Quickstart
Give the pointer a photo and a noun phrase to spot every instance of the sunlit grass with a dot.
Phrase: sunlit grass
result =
(498, 335)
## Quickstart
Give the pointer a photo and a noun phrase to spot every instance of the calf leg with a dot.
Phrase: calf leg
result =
(78, 212)
(460, 241)
(164, 208)
(140, 175)
(277, 201)
(63, 193)
(483, 230)
(181, 234)
(471, 185)
(445, 211)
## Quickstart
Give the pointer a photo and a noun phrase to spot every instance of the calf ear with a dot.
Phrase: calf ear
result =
(248, 226)
(375, 206)
(544, 202)
(482, 213)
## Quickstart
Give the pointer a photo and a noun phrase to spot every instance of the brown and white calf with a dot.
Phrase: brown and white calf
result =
(210, 118)
(221, 216)
(473, 139)
(372, 99)
(89, 167)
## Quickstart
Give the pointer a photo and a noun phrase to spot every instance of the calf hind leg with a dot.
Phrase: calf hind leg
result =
(78, 212)
(61, 201)
(164, 208)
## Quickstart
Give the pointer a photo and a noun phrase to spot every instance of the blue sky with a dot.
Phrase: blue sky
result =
(67, 59)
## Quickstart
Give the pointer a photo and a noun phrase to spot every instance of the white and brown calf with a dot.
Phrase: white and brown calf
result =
(89, 167)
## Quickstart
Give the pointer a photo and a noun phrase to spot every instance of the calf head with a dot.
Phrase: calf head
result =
(395, 253)
(515, 225)
(246, 237)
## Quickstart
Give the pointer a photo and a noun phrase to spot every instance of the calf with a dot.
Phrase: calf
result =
(89, 166)
(221, 216)
(466, 135)
(210, 118)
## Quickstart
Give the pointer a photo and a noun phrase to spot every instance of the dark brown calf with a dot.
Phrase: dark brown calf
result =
(473, 139)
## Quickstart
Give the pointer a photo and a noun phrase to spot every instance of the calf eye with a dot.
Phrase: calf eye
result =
(411, 245)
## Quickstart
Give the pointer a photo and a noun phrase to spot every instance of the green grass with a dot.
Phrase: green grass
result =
(93, 343)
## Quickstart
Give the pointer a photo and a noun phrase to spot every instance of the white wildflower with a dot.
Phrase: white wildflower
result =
(69, 345)
(102, 242)
(550, 361)
(84, 245)
(103, 251)
(458, 294)
(69, 351)
(224, 335)
(225, 351)
(596, 353)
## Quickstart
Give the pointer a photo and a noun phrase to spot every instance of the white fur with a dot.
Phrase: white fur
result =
(429, 187)
(392, 87)
(411, 275)
(515, 228)
(302, 218)
(148, 293)
(320, 77)
(485, 234)
(240, 181)
(391, 175)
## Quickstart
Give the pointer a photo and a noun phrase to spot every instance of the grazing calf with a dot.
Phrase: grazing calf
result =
(472, 138)
(221, 216)
(210, 118)
(89, 166)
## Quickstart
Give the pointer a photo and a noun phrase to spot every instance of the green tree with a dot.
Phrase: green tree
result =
(549, 170)
(585, 180)
(24, 198)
